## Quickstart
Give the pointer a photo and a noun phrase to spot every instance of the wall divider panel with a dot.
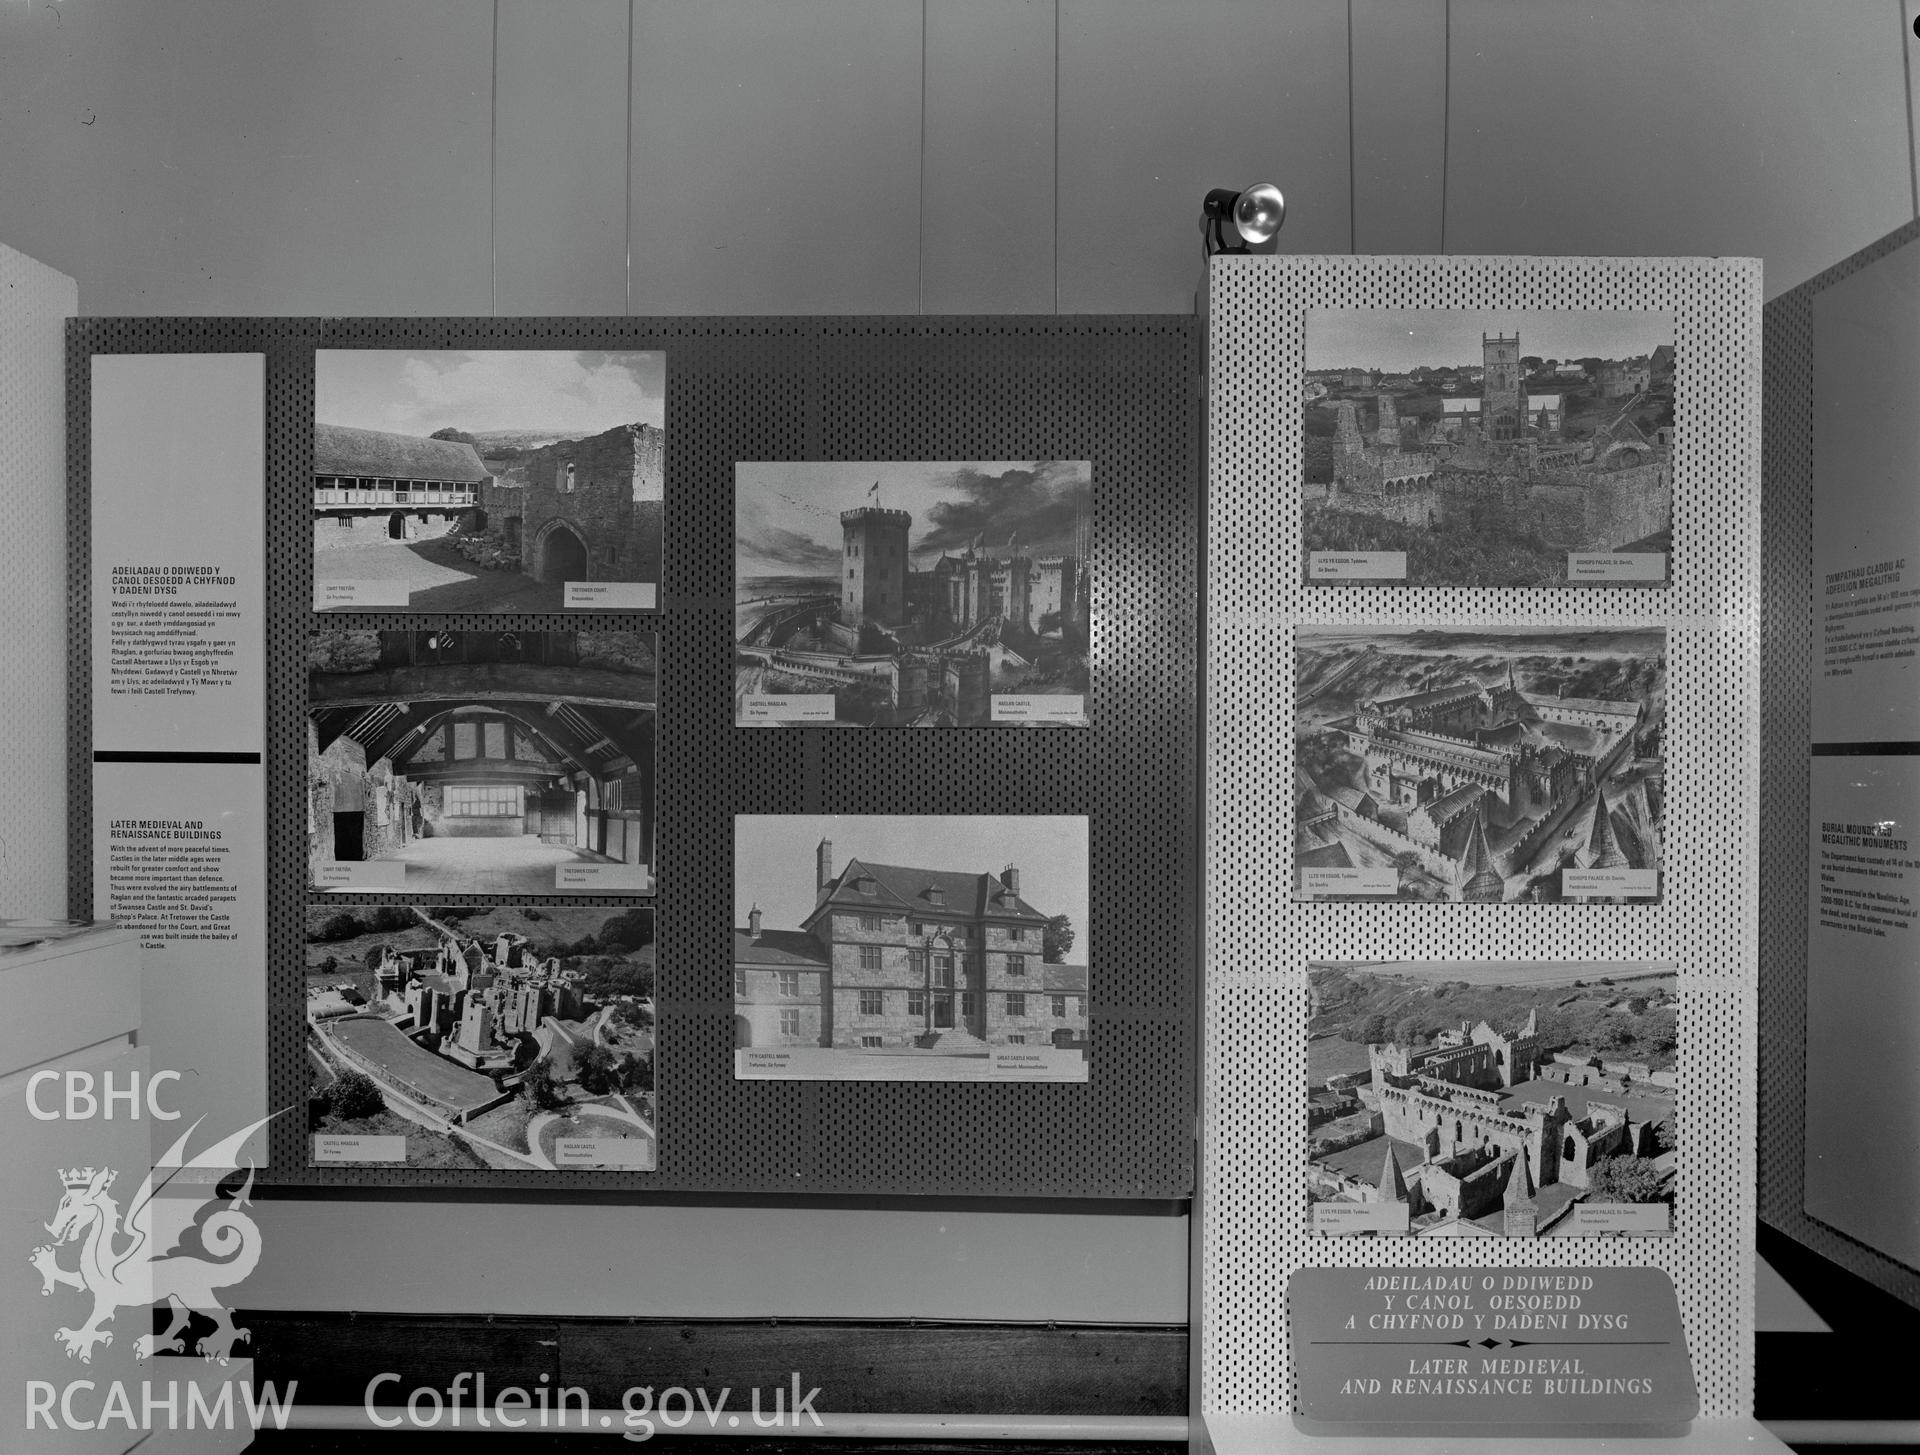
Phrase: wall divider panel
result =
(1256, 1222)
(1119, 392)
(1798, 386)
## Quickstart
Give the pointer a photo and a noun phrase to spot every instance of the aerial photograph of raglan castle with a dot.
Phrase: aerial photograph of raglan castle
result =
(1480, 765)
(1489, 1099)
(505, 1035)
(1488, 448)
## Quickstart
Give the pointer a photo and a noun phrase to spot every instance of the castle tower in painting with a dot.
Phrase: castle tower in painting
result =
(1520, 1212)
(873, 551)
(1502, 404)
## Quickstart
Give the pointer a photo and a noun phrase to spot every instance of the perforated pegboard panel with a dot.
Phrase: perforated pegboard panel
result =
(1120, 392)
(1786, 687)
(1259, 940)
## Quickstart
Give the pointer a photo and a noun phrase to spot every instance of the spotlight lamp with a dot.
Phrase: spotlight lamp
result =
(1256, 215)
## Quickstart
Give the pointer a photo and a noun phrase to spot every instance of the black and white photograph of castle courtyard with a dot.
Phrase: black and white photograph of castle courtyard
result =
(1498, 447)
(912, 593)
(1478, 1099)
(1479, 765)
(487, 480)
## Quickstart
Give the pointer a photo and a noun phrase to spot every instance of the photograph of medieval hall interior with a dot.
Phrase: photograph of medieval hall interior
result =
(481, 762)
(1490, 445)
(1495, 1099)
(911, 947)
(486, 480)
(1482, 766)
(497, 1035)
(913, 594)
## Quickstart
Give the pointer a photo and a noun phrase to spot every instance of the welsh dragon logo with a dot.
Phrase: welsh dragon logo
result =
(141, 1262)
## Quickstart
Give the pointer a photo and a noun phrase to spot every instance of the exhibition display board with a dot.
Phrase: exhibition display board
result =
(1484, 557)
(506, 591)
(765, 756)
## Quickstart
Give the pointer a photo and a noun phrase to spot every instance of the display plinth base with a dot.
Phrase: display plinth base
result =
(1276, 1434)
(1489, 1353)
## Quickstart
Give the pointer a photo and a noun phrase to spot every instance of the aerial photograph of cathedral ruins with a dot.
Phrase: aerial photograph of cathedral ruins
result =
(481, 762)
(502, 1035)
(487, 480)
(912, 594)
(1487, 1099)
(910, 947)
(1487, 447)
(1479, 765)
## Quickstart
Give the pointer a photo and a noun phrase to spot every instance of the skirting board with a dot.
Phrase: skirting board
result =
(1086, 1374)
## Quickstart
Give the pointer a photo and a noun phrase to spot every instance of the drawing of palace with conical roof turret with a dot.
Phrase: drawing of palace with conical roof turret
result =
(1479, 766)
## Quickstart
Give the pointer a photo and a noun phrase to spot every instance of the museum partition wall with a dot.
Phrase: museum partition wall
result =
(1837, 1076)
(567, 672)
(764, 757)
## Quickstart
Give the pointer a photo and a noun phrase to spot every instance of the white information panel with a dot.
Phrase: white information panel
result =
(1866, 510)
(179, 552)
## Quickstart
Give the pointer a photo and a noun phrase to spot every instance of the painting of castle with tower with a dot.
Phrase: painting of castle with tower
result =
(1509, 448)
(912, 594)
(1478, 1099)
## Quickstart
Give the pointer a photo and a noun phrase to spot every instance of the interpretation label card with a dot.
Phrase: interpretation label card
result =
(374, 875)
(601, 879)
(1616, 565)
(1494, 1351)
(759, 709)
(1610, 883)
(1866, 519)
(1595, 1219)
(179, 593)
(820, 1063)
(1360, 1217)
(179, 857)
(1357, 565)
(611, 595)
(331, 1148)
(630, 1152)
(1068, 707)
(359, 595)
(1863, 903)
(1317, 882)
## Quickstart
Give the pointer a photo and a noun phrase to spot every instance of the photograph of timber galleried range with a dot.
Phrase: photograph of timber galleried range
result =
(1488, 1099)
(1500, 447)
(1479, 766)
(488, 480)
(481, 762)
(912, 594)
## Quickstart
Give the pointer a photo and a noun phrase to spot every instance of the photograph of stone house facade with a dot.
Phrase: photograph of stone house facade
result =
(1495, 1100)
(1489, 447)
(481, 762)
(913, 593)
(489, 480)
(877, 948)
